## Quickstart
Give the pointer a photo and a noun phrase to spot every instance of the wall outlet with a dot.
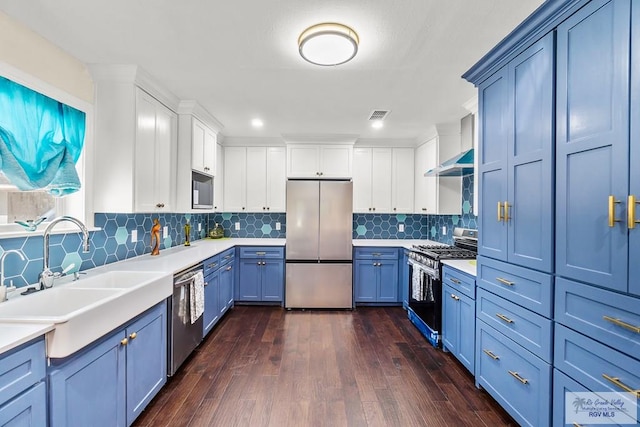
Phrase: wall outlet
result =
(237, 226)
(199, 226)
(401, 228)
(444, 230)
(134, 236)
(277, 226)
(165, 231)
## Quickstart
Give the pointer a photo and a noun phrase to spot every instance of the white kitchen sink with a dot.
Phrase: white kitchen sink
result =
(89, 308)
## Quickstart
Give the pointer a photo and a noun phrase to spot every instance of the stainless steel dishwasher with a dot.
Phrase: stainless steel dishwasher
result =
(184, 336)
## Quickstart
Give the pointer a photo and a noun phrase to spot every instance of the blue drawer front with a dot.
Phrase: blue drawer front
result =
(563, 389)
(498, 361)
(376, 253)
(525, 327)
(227, 256)
(460, 281)
(262, 252)
(211, 264)
(20, 368)
(588, 362)
(528, 288)
(28, 409)
(603, 315)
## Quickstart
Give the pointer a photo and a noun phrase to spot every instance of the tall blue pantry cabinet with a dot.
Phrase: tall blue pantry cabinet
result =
(558, 266)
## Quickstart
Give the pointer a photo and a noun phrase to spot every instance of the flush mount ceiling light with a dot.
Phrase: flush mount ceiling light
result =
(328, 44)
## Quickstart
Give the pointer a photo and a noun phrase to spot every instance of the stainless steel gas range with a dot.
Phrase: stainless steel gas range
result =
(425, 284)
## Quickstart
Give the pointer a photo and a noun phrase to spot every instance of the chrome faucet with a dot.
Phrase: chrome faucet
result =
(3, 293)
(47, 276)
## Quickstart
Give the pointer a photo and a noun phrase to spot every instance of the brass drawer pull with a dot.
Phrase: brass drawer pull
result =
(500, 217)
(504, 281)
(261, 253)
(376, 254)
(491, 355)
(616, 381)
(503, 317)
(622, 324)
(612, 210)
(455, 297)
(518, 377)
(631, 212)
(212, 265)
(229, 268)
(456, 281)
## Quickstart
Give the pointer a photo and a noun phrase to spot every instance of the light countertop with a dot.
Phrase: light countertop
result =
(15, 334)
(173, 260)
(465, 265)
(399, 243)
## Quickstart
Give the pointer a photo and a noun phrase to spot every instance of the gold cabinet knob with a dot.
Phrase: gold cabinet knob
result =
(133, 335)
(124, 341)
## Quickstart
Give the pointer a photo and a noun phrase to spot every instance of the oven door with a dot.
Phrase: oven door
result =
(425, 298)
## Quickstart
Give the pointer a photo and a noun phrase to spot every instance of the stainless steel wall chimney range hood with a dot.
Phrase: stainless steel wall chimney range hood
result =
(461, 164)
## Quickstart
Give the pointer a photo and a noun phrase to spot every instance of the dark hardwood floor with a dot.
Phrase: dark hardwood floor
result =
(265, 366)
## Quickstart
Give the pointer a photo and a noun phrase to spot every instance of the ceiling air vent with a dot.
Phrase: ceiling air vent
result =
(379, 114)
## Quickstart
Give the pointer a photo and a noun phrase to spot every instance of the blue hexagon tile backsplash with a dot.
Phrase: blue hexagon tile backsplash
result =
(113, 241)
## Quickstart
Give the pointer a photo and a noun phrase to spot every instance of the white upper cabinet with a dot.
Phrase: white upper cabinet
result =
(402, 176)
(383, 180)
(203, 148)
(197, 152)
(319, 161)
(255, 179)
(218, 181)
(135, 142)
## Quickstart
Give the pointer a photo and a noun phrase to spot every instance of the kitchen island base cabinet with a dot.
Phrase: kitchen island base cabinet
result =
(109, 383)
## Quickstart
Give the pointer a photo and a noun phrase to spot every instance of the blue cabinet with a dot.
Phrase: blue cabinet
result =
(376, 274)
(261, 275)
(593, 144)
(23, 400)
(515, 160)
(458, 326)
(218, 291)
(109, 383)
(404, 279)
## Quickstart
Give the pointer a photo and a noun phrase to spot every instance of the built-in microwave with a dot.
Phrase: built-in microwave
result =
(202, 191)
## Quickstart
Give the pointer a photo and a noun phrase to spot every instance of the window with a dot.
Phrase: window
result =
(24, 206)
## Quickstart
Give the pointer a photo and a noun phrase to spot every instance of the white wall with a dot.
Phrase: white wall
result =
(27, 51)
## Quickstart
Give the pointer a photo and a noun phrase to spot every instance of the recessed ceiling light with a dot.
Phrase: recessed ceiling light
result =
(377, 124)
(257, 123)
(328, 44)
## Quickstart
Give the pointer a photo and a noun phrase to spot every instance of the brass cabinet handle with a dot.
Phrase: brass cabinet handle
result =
(133, 335)
(504, 281)
(612, 210)
(503, 317)
(518, 377)
(491, 355)
(456, 281)
(376, 254)
(212, 265)
(506, 211)
(500, 217)
(261, 253)
(616, 381)
(455, 297)
(228, 256)
(124, 341)
(631, 212)
(620, 323)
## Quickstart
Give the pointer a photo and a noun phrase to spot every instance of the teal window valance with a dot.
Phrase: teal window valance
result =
(40, 140)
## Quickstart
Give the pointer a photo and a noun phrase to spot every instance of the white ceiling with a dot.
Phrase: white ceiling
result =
(239, 58)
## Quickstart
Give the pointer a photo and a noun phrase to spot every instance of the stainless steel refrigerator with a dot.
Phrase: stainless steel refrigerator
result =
(319, 244)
